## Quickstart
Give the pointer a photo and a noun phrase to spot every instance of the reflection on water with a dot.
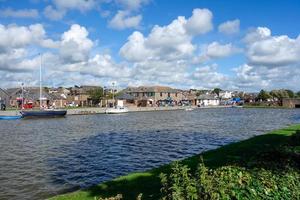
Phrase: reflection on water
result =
(41, 158)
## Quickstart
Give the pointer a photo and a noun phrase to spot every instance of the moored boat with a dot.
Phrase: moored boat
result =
(116, 110)
(189, 109)
(119, 108)
(43, 113)
(12, 117)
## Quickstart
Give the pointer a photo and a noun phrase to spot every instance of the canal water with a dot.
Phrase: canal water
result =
(40, 158)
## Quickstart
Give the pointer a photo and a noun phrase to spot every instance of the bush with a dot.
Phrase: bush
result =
(229, 182)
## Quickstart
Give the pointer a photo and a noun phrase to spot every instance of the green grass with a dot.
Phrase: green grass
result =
(148, 183)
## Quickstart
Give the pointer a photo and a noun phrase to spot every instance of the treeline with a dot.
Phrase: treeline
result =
(277, 94)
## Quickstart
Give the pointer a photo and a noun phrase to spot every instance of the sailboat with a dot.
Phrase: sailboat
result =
(119, 108)
(42, 112)
(116, 109)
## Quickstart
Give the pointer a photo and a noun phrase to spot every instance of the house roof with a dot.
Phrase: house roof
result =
(125, 96)
(151, 89)
(33, 93)
(4, 91)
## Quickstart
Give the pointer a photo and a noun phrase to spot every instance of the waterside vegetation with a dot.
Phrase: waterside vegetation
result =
(262, 167)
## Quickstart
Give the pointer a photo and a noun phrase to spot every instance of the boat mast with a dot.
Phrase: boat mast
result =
(22, 96)
(41, 82)
(113, 83)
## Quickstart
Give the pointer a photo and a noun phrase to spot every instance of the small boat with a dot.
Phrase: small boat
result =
(236, 106)
(116, 110)
(12, 117)
(189, 109)
(43, 113)
(120, 108)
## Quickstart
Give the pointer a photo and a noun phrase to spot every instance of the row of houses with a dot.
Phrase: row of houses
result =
(51, 97)
(132, 96)
(162, 96)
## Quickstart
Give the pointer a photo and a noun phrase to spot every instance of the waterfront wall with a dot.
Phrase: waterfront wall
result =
(291, 103)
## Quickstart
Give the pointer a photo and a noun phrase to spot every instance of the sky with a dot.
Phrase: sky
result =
(200, 44)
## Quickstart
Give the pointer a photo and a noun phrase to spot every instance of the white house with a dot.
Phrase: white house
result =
(208, 100)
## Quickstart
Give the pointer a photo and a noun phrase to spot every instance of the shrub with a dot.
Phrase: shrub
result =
(229, 182)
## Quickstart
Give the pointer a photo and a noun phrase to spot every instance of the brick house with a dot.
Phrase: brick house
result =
(155, 95)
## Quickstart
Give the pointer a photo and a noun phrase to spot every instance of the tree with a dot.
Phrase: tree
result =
(263, 95)
(290, 93)
(298, 94)
(217, 91)
(95, 95)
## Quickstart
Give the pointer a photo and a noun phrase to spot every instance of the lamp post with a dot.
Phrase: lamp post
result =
(104, 96)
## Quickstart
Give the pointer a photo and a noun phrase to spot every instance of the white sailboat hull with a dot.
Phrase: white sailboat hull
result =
(117, 110)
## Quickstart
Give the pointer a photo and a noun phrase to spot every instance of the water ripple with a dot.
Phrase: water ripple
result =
(42, 158)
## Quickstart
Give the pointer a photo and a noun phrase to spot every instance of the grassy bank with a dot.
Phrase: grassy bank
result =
(275, 152)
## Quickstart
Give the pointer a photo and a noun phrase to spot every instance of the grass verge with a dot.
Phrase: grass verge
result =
(237, 154)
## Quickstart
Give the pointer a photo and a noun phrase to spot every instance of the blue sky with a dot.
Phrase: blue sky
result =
(237, 45)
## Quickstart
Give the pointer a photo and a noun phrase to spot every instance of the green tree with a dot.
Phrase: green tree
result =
(279, 94)
(290, 93)
(298, 94)
(96, 95)
(217, 91)
(263, 95)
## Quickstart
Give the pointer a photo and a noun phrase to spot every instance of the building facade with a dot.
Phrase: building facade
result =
(155, 95)
(208, 100)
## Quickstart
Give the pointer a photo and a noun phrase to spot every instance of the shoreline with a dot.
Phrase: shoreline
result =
(95, 110)
(148, 182)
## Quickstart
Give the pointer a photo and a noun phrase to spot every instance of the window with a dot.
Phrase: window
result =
(169, 94)
(176, 94)
(161, 94)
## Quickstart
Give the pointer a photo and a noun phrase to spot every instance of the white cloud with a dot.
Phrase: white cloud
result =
(131, 4)
(217, 50)
(32, 34)
(54, 14)
(81, 5)
(102, 66)
(135, 50)
(22, 13)
(170, 42)
(75, 44)
(208, 77)
(230, 27)
(123, 20)
(200, 22)
(255, 78)
(273, 51)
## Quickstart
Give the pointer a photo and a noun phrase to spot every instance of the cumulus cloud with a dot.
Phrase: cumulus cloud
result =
(230, 27)
(75, 44)
(103, 65)
(131, 4)
(200, 22)
(81, 5)
(208, 77)
(255, 78)
(123, 20)
(217, 50)
(60, 8)
(173, 41)
(54, 14)
(22, 13)
(26, 35)
(274, 51)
